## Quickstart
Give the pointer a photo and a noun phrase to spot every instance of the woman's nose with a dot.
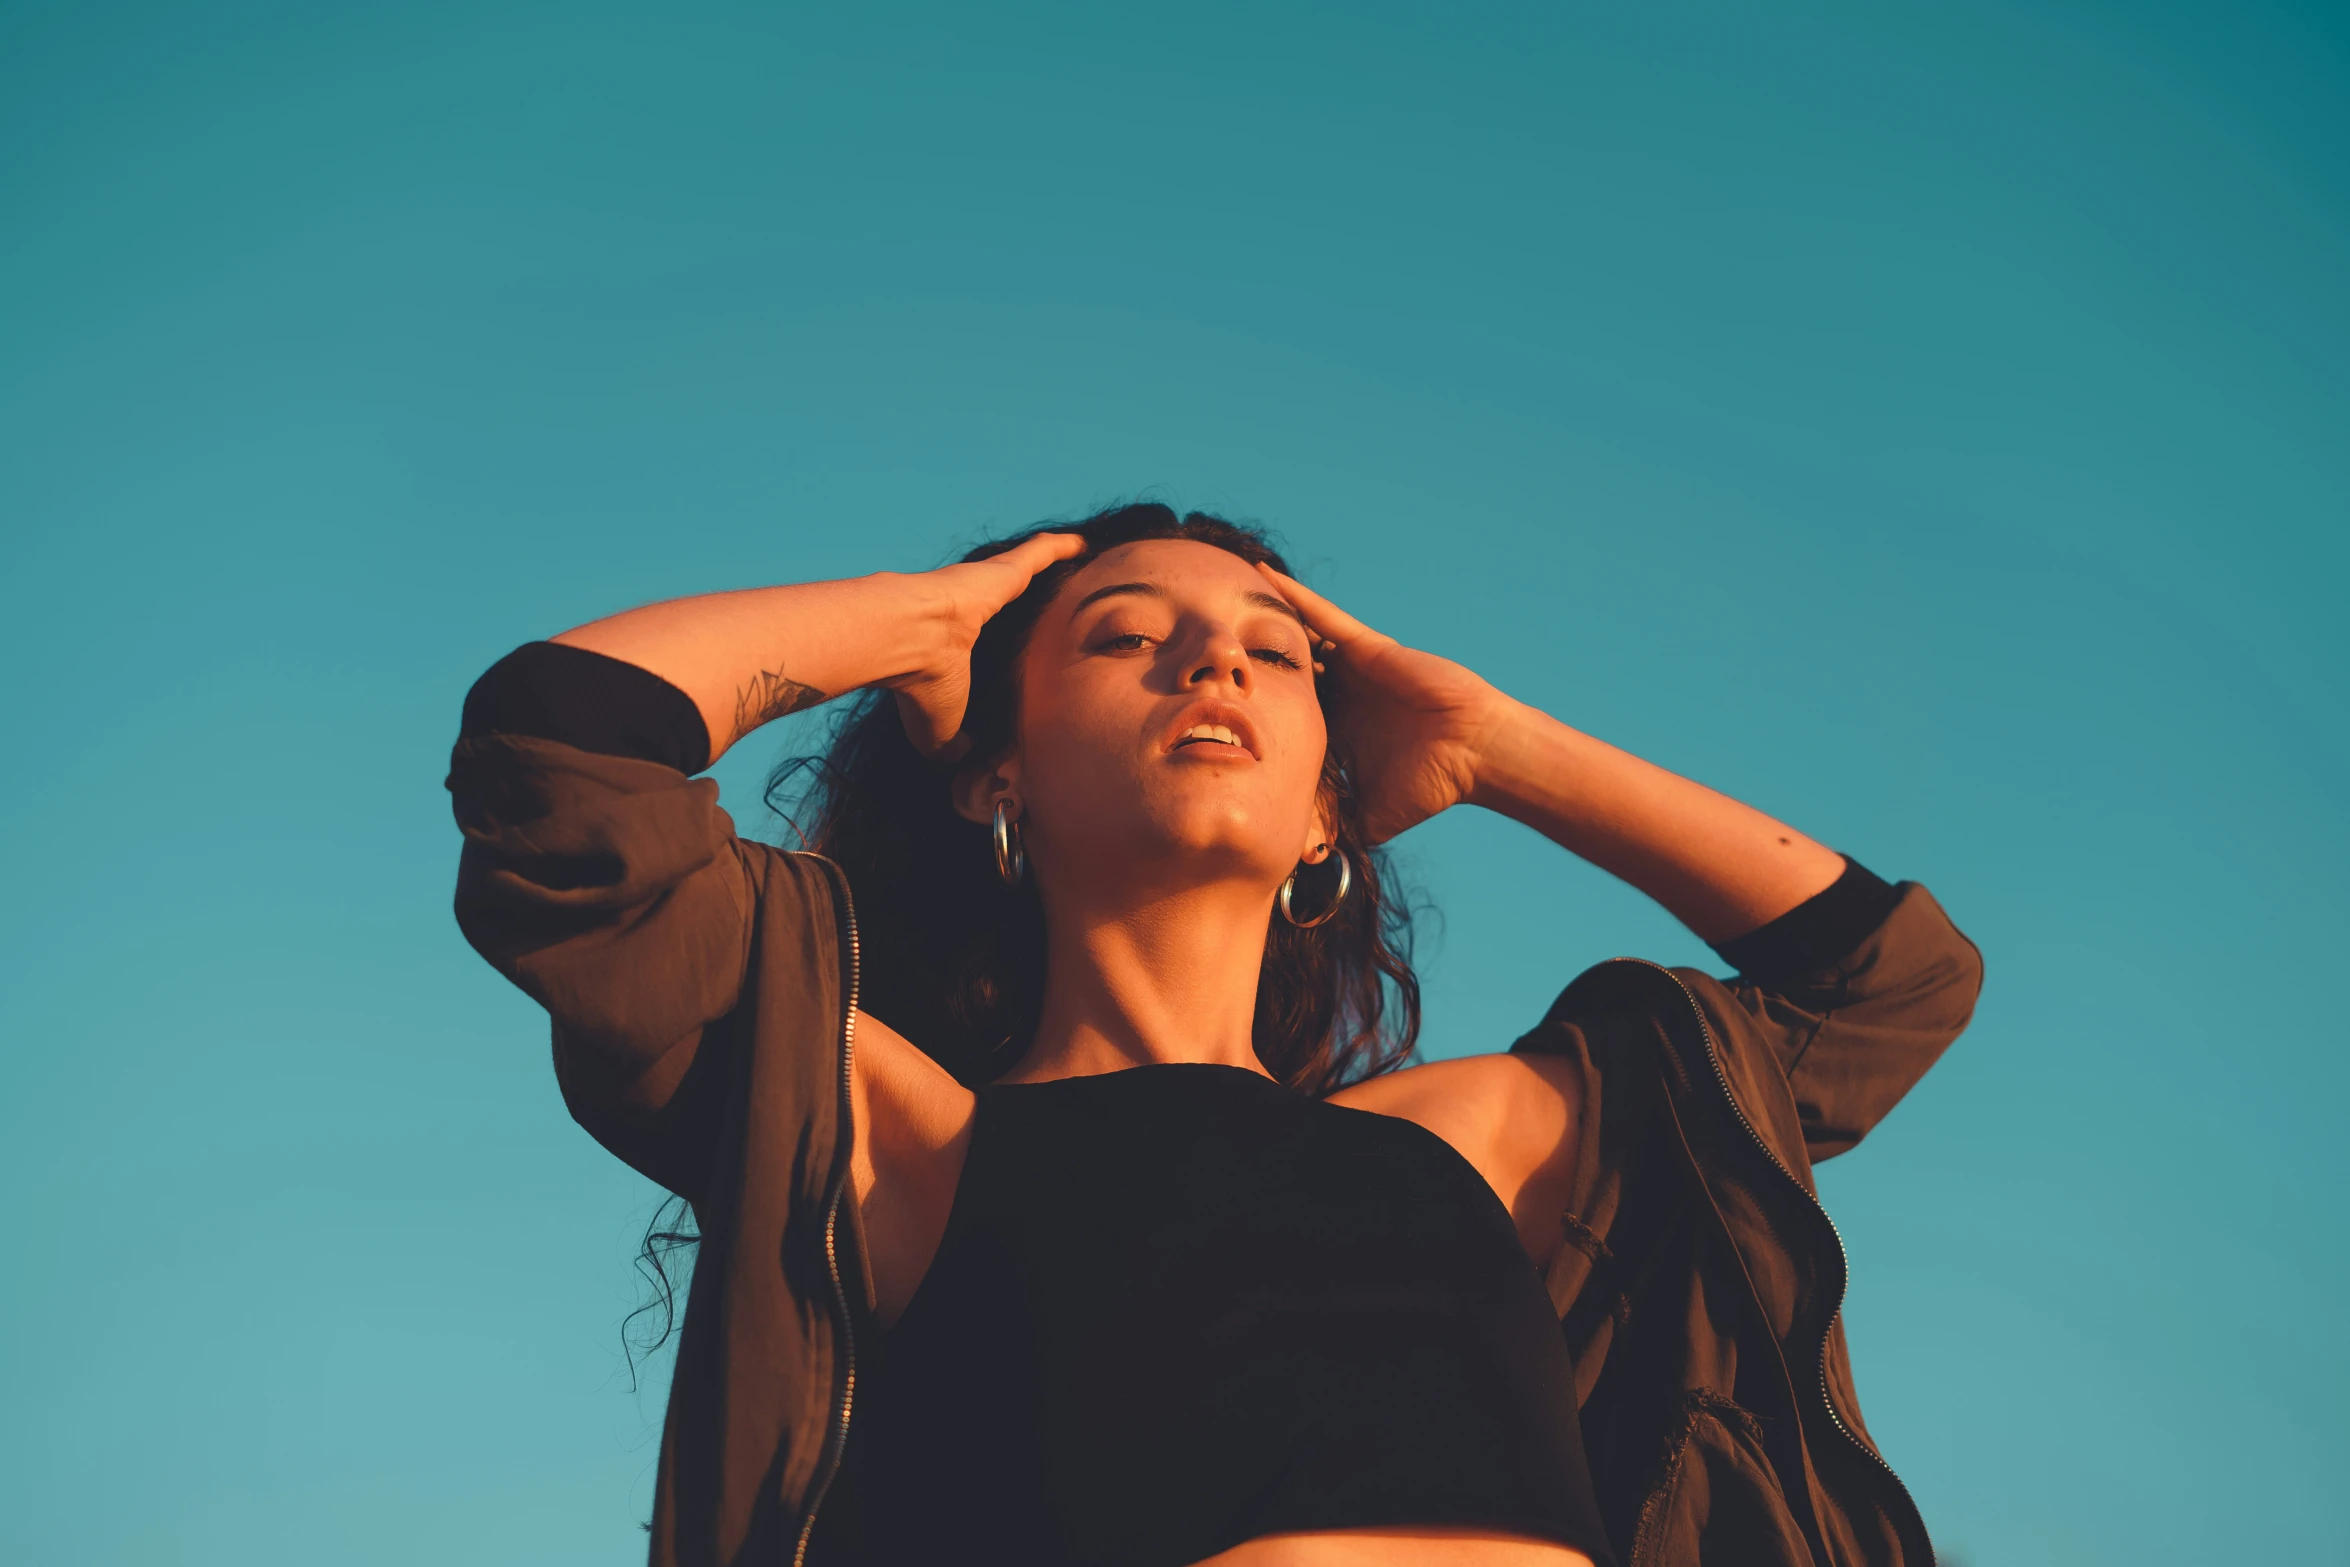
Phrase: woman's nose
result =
(1221, 657)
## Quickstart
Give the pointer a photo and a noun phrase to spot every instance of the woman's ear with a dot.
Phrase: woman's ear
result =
(975, 789)
(1321, 836)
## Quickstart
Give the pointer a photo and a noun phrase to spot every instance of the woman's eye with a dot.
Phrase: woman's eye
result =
(1123, 642)
(1274, 655)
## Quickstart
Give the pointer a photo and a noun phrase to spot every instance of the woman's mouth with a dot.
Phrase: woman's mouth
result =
(1218, 735)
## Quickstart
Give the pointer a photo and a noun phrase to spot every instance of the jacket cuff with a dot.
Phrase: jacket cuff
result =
(1810, 937)
(550, 691)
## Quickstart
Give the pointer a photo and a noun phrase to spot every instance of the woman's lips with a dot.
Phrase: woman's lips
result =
(1216, 733)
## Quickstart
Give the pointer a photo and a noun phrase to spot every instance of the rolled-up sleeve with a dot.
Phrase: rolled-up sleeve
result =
(614, 891)
(1856, 995)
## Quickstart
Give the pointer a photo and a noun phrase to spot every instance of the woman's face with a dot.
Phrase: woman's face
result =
(1168, 729)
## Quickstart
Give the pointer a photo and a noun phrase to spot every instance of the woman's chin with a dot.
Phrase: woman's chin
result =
(1180, 851)
(1193, 821)
(1223, 824)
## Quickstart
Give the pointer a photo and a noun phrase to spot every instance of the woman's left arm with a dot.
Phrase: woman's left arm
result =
(1722, 867)
(1428, 734)
(1855, 1005)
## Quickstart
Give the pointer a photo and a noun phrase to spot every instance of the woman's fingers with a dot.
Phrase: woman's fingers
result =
(1034, 554)
(1030, 556)
(932, 701)
(999, 579)
(1325, 619)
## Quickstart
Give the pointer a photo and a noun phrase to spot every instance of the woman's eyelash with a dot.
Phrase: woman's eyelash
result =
(1128, 641)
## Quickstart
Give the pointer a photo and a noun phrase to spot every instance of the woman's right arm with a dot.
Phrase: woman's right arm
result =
(607, 883)
(750, 657)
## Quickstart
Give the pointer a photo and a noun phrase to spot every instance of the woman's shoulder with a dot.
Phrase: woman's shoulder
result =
(1512, 1117)
(1456, 1093)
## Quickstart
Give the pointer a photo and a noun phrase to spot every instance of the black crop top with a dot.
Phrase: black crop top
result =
(1179, 1307)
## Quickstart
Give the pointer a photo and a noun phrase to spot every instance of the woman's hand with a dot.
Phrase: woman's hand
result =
(1415, 724)
(962, 599)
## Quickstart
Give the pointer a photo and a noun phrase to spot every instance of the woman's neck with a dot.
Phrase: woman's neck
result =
(1172, 980)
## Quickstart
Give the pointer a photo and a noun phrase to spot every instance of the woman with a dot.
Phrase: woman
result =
(1061, 1193)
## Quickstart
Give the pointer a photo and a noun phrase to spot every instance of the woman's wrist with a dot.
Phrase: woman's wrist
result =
(1518, 757)
(925, 630)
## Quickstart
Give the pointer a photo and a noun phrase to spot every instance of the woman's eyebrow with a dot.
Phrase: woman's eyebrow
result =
(1147, 589)
(1261, 599)
(1274, 601)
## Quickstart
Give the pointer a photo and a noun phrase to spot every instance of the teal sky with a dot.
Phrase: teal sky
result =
(1932, 427)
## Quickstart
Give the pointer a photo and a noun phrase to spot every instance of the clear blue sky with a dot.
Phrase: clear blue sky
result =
(1933, 427)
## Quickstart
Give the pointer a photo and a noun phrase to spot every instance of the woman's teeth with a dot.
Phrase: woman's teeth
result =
(1208, 732)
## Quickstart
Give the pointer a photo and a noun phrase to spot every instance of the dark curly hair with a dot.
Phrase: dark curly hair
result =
(953, 958)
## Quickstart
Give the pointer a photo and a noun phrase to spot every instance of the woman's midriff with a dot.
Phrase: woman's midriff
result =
(1397, 1548)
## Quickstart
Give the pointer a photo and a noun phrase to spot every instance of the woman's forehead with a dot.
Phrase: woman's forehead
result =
(1181, 568)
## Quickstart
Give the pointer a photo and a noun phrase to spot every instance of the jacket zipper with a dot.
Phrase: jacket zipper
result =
(836, 1440)
(1713, 1059)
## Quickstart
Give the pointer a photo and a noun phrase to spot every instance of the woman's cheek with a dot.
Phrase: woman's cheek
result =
(1091, 746)
(1306, 752)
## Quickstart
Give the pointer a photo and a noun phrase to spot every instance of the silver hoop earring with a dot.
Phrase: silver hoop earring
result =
(1346, 878)
(1011, 855)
